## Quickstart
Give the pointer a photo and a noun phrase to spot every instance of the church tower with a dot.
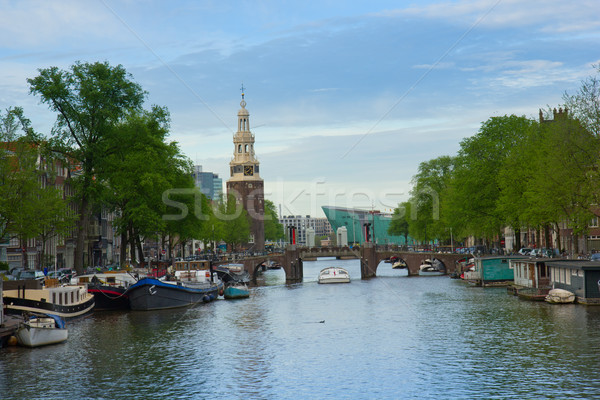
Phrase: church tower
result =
(245, 181)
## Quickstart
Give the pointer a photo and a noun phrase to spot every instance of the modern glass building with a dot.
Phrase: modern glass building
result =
(355, 219)
(209, 183)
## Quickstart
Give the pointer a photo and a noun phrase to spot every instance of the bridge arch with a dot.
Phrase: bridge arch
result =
(370, 257)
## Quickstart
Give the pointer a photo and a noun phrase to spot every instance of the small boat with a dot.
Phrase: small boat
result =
(560, 296)
(236, 290)
(273, 265)
(67, 301)
(399, 264)
(41, 330)
(188, 288)
(334, 275)
(533, 294)
(432, 267)
(232, 272)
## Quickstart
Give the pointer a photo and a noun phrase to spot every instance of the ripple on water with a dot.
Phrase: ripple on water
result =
(387, 338)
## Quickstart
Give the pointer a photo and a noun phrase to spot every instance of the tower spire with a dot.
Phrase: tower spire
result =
(243, 102)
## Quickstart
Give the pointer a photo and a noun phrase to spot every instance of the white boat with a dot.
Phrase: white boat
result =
(41, 330)
(334, 275)
(68, 301)
(560, 296)
(432, 267)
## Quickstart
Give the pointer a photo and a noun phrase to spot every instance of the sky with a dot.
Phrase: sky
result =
(346, 98)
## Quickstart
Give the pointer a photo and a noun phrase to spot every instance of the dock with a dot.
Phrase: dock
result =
(8, 328)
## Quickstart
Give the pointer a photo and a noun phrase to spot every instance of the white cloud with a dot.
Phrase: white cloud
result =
(556, 16)
(37, 24)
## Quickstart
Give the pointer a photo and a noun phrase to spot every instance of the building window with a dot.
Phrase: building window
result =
(239, 148)
(245, 148)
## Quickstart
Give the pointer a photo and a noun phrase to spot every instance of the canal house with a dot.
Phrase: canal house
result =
(493, 271)
(578, 276)
(531, 273)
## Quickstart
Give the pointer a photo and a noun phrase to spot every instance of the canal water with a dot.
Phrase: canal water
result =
(390, 337)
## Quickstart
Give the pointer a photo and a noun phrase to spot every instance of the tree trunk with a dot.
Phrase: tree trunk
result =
(547, 240)
(517, 245)
(82, 228)
(131, 244)
(140, 249)
(557, 237)
(123, 258)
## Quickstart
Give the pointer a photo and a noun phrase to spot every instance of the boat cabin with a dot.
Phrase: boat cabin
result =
(531, 273)
(581, 277)
(191, 265)
(59, 295)
(493, 271)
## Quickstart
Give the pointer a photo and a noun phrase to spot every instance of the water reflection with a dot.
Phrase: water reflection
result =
(389, 337)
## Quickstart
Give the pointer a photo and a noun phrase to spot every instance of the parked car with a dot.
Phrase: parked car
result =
(16, 271)
(525, 251)
(549, 253)
(64, 275)
(595, 257)
(31, 274)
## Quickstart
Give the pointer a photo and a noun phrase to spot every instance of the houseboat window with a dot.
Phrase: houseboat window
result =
(60, 298)
(72, 297)
(580, 273)
(54, 297)
(504, 261)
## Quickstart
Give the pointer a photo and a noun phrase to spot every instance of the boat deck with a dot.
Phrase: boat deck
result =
(9, 327)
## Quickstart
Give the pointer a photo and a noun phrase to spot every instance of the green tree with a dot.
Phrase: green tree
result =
(27, 209)
(138, 170)
(429, 184)
(565, 159)
(89, 99)
(584, 105)
(400, 221)
(234, 227)
(515, 177)
(273, 229)
(471, 199)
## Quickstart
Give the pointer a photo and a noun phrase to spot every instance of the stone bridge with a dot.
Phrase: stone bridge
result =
(368, 254)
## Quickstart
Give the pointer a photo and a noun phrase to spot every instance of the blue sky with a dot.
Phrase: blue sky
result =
(345, 98)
